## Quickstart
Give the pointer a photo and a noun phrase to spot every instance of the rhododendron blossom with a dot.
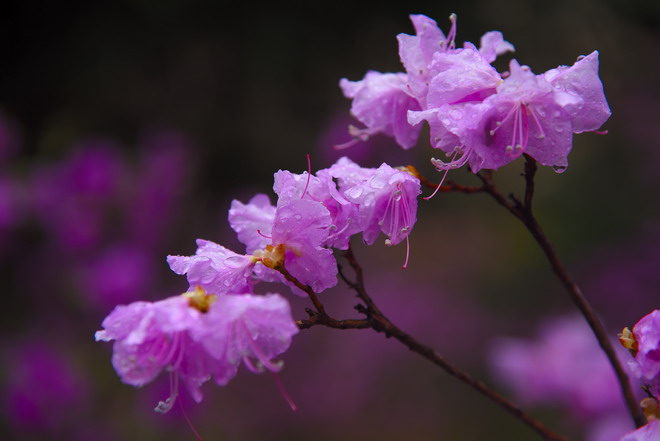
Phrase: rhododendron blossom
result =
(475, 115)
(197, 336)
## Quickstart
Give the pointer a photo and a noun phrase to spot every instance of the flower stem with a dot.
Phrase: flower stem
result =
(523, 211)
(377, 321)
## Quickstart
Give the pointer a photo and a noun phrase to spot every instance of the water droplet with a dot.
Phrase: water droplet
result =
(227, 283)
(581, 57)
(559, 129)
(234, 261)
(354, 192)
(559, 168)
(298, 217)
(456, 114)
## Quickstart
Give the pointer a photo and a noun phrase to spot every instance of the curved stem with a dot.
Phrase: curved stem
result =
(377, 321)
(523, 211)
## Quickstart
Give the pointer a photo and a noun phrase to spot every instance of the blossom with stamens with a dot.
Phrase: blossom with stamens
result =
(196, 337)
(386, 200)
(150, 337)
(294, 239)
(250, 329)
(528, 114)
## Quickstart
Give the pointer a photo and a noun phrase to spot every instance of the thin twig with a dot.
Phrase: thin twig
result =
(524, 213)
(380, 323)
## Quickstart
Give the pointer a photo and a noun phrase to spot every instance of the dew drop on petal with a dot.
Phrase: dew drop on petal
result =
(234, 261)
(559, 168)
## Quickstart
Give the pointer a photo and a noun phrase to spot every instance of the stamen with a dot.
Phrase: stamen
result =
(451, 36)
(251, 367)
(460, 162)
(190, 424)
(285, 394)
(182, 350)
(426, 198)
(359, 135)
(166, 406)
(337, 233)
(309, 176)
(263, 235)
(539, 127)
(263, 360)
(405, 264)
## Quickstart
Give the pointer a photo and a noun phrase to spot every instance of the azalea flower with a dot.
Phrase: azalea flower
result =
(197, 336)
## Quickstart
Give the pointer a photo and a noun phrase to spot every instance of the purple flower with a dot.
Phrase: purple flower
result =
(250, 329)
(650, 432)
(646, 364)
(417, 52)
(528, 114)
(301, 227)
(293, 238)
(215, 268)
(152, 336)
(386, 200)
(197, 336)
(381, 102)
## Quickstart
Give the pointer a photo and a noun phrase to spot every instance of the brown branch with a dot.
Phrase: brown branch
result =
(377, 321)
(524, 213)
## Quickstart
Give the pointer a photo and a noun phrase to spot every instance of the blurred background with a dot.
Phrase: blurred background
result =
(127, 127)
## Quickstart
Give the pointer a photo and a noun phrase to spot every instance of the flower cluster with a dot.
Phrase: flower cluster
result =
(208, 331)
(476, 115)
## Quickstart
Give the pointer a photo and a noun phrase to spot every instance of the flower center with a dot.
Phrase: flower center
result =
(271, 256)
(199, 299)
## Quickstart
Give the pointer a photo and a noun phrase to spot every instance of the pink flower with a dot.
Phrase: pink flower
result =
(386, 200)
(528, 114)
(417, 52)
(294, 238)
(197, 336)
